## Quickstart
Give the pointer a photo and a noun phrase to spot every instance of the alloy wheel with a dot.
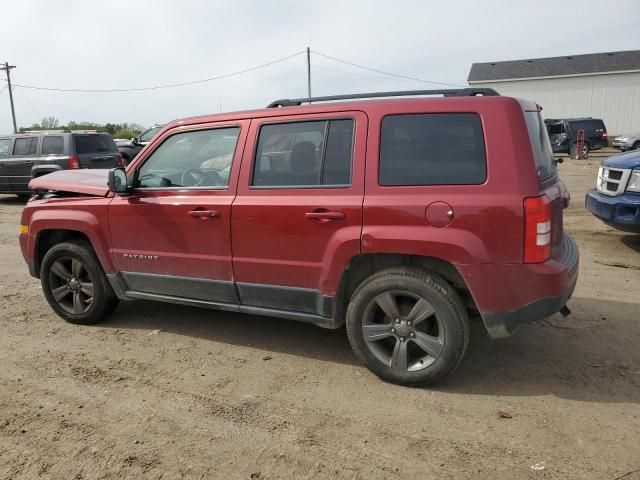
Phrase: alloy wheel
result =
(71, 285)
(403, 330)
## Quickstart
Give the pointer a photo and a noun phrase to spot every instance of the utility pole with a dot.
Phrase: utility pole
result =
(7, 68)
(309, 73)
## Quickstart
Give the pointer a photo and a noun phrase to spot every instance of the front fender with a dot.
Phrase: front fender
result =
(93, 225)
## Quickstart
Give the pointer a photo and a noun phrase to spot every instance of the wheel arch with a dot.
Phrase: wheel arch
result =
(364, 265)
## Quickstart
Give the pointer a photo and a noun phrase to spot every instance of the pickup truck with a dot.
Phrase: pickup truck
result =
(616, 198)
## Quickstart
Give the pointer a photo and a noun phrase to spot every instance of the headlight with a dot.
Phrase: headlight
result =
(634, 181)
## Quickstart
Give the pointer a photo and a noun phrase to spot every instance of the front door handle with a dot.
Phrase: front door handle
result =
(204, 214)
(324, 215)
(29, 162)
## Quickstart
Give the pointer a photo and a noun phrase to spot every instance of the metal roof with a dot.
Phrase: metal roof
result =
(567, 65)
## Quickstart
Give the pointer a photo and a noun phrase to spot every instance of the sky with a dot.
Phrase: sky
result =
(120, 44)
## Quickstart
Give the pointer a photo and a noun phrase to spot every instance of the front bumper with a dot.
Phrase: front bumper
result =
(508, 296)
(621, 212)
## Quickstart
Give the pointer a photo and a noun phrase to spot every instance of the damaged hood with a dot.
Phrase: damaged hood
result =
(84, 181)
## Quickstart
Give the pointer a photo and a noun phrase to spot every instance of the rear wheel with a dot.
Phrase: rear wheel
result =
(636, 146)
(408, 326)
(573, 153)
(75, 284)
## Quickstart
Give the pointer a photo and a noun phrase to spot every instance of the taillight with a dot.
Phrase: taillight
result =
(605, 135)
(537, 229)
(74, 162)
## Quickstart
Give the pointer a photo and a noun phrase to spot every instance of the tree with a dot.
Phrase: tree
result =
(49, 123)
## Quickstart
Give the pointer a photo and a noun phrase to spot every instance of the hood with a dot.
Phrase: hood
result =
(84, 181)
(624, 160)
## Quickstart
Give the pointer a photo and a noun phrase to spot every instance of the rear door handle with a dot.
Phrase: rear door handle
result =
(324, 215)
(204, 214)
(29, 162)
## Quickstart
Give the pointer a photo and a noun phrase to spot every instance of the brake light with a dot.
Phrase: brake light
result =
(74, 162)
(537, 229)
(605, 135)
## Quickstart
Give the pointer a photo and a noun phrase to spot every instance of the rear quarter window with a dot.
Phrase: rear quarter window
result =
(432, 149)
(94, 143)
(540, 145)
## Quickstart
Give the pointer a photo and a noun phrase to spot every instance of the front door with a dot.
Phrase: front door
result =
(20, 163)
(171, 236)
(298, 214)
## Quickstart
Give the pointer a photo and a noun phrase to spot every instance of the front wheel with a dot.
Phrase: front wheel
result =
(75, 284)
(408, 326)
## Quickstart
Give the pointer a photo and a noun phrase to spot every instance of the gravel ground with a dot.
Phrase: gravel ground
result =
(221, 395)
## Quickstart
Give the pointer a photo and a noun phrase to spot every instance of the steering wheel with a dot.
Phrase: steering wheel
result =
(197, 178)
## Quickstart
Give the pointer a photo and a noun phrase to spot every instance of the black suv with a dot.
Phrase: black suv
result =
(563, 134)
(131, 148)
(32, 154)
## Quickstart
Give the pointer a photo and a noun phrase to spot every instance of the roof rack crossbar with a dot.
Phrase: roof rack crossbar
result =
(451, 92)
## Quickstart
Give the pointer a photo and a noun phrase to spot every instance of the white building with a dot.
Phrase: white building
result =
(599, 85)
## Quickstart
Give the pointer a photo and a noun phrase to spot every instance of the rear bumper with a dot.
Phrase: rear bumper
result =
(621, 212)
(508, 296)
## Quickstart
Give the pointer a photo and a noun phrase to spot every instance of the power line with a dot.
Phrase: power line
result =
(344, 72)
(158, 87)
(385, 73)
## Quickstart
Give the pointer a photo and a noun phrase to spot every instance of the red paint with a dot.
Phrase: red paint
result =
(305, 237)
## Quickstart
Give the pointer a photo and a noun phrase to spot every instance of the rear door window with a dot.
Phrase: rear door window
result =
(542, 152)
(432, 149)
(52, 145)
(94, 143)
(25, 146)
(304, 154)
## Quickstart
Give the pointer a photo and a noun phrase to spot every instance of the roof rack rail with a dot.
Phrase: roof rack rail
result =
(451, 92)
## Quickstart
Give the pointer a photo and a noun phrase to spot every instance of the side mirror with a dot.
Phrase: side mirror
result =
(118, 181)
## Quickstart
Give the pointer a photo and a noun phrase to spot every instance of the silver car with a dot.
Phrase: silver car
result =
(627, 142)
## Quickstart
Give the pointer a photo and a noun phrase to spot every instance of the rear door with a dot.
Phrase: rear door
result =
(5, 151)
(96, 150)
(52, 156)
(20, 163)
(297, 218)
(171, 236)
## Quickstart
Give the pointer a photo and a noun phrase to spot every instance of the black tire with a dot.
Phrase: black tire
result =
(445, 330)
(23, 196)
(77, 260)
(635, 146)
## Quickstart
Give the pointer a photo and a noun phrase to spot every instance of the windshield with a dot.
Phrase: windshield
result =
(149, 134)
(542, 153)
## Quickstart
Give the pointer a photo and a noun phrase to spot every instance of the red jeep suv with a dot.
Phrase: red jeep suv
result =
(398, 217)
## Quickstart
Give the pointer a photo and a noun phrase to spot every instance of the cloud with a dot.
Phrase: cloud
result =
(121, 44)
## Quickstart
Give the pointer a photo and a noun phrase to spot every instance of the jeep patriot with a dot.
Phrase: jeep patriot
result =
(398, 217)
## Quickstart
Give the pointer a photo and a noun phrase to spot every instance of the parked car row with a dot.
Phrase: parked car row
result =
(398, 218)
(33, 154)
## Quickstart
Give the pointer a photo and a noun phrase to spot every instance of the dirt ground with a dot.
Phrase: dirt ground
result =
(221, 395)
